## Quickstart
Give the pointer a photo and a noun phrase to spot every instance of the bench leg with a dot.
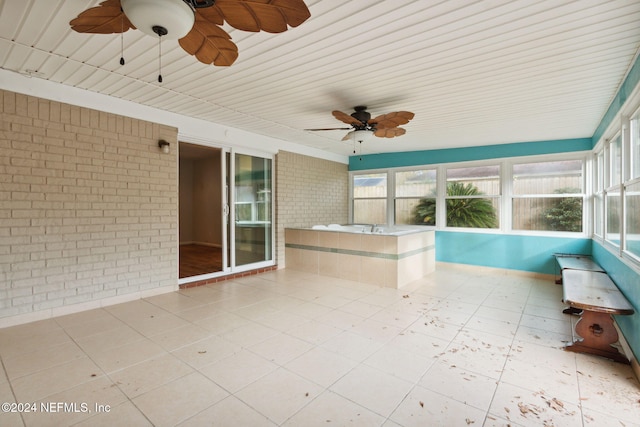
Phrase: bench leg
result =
(598, 334)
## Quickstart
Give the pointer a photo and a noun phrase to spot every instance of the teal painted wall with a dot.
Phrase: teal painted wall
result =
(628, 281)
(451, 155)
(514, 252)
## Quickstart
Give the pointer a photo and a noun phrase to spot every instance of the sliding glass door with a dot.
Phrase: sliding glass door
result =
(252, 211)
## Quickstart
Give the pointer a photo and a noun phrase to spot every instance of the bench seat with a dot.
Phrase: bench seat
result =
(577, 262)
(598, 297)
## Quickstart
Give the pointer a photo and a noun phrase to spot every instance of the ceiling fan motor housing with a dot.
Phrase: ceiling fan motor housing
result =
(362, 115)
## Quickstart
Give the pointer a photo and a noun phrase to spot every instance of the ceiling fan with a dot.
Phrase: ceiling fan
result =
(195, 23)
(363, 126)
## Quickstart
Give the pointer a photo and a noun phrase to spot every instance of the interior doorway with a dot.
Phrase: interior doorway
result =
(225, 212)
(201, 210)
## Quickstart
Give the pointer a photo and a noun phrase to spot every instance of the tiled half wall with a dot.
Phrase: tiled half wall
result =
(383, 260)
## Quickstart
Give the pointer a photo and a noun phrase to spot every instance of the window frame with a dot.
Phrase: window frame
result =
(581, 195)
(506, 199)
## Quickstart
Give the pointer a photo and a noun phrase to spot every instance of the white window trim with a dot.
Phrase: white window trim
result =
(506, 174)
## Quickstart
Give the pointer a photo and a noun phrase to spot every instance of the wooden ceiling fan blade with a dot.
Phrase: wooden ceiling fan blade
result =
(346, 118)
(389, 132)
(391, 120)
(106, 18)
(272, 16)
(210, 44)
(313, 130)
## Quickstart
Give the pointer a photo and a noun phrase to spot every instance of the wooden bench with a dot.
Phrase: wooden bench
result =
(575, 262)
(598, 297)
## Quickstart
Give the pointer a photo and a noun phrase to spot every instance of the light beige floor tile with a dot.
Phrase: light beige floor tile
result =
(268, 396)
(82, 402)
(352, 346)
(104, 341)
(378, 392)
(561, 326)
(135, 310)
(174, 339)
(19, 340)
(229, 412)
(249, 334)
(434, 327)
(470, 388)
(559, 381)
(256, 310)
(9, 416)
(125, 414)
(179, 400)
(321, 366)
(492, 326)
(608, 387)
(158, 324)
(282, 321)
(222, 322)
(533, 408)
(206, 351)
(548, 312)
(87, 323)
(38, 360)
(115, 359)
(333, 301)
(594, 418)
(400, 363)
(377, 331)
(309, 310)
(501, 314)
(331, 409)
(237, 371)
(199, 313)
(33, 387)
(396, 318)
(474, 359)
(174, 302)
(150, 374)
(420, 344)
(340, 319)
(542, 337)
(360, 308)
(424, 407)
(281, 348)
(315, 332)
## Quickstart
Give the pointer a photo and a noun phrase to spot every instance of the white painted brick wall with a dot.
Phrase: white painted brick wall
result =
(309, 191)
(88, 206)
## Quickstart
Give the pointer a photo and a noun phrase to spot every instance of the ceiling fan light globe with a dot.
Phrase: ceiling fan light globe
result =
(175, 16)
(361, 135)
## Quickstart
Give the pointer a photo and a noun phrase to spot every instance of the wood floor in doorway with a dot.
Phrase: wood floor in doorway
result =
(199, 259)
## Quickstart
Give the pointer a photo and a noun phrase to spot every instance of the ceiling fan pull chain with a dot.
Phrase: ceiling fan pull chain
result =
(159, 59)
(122, 40)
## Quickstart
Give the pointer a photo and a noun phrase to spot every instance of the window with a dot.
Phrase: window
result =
(415, 197)
(473, 197)
(598, 199)
(632, 193)
(370, 198)
(611, 194)
(548, 196)
(635, 147)
(632, 221)
(615, 161)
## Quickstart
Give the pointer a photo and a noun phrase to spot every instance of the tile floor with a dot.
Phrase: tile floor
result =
(459, 347)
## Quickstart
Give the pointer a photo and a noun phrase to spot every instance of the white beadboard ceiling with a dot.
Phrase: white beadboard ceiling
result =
(473, 72)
